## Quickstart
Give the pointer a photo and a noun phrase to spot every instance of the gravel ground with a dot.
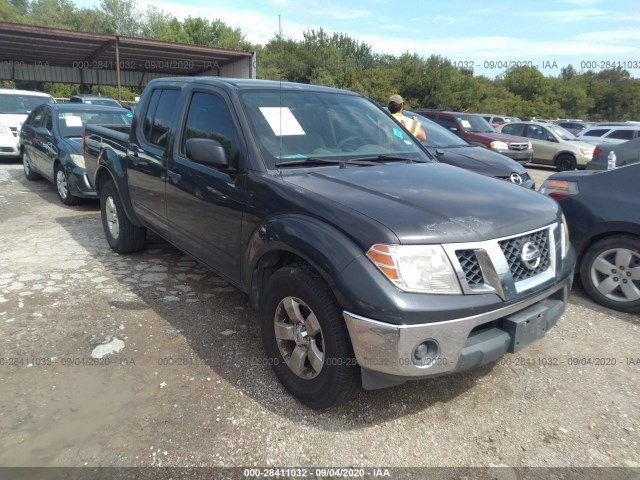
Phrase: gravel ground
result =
(190, 386)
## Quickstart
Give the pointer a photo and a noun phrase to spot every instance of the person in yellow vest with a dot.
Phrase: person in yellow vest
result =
(396, 106)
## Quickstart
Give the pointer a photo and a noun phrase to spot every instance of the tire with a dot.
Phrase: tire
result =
(610, 273)
(122, 235)
(313, 360)
(29, 173)
(565, 162)
(61, 182)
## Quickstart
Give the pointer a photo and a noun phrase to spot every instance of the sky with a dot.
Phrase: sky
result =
(487, 36)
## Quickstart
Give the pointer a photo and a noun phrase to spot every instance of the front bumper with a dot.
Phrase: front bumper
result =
(79, 184)
(9, 151)
(520, 156)
(385, 352)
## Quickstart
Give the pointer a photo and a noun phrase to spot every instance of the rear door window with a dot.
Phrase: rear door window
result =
(598, 132)
(157, 120)
(517, 129)
(621, 134)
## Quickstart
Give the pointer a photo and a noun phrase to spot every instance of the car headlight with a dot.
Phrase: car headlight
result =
(5, 131)
(586, 152)
(499, 146)
(416, 268)
(78, 160)
(529, 145)
(564, 237)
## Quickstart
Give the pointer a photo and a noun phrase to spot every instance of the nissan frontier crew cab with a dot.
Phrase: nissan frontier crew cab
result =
(369, 262)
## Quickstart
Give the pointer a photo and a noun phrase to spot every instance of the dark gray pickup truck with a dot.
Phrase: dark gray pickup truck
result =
(368, 261)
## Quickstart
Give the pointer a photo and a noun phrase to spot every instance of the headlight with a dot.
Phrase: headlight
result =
(78, 160)
(5, 131)
(586, 152)
(416, 268)
(529, 145)
(564, 237)
(499, 146)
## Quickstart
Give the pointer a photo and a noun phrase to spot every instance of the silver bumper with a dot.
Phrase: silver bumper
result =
(389, 349)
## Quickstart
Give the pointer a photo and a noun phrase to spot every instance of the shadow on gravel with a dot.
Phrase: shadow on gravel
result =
(217, 307)
(47, 191)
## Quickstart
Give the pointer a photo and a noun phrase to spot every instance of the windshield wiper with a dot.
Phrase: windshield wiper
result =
(387, 158)
(304, 162)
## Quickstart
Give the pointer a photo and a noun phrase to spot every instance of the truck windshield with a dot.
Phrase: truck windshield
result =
(294, 125)
(21, 104)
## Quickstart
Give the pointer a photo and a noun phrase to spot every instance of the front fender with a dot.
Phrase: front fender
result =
(113, 166)
(319, 244)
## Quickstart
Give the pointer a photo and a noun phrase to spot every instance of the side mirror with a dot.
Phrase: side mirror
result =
(207, 152)
(43, 131)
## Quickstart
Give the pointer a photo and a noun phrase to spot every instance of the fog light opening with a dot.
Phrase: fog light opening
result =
(426, 353)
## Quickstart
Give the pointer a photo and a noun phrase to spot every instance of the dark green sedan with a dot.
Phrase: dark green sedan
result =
(51, 145)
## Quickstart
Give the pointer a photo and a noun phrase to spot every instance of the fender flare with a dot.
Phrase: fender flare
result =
(328, 250)
(110, 165)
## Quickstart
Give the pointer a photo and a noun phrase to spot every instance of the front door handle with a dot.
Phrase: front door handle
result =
(174, 176)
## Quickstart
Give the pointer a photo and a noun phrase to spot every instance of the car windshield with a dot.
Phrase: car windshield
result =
(21, 104)
(475, 124)
(71, 123)
(561, 132)
(292, 126)
(437, 136)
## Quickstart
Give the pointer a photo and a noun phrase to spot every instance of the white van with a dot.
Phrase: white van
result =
(15, 105)
(599, 134)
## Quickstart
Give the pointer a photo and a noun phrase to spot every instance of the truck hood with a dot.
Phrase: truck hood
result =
(431, 203)
(479, 160)
(501, 137)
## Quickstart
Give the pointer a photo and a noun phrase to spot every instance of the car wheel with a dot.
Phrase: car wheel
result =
(610, 273)
(62, 187)
(306, 339)
(122, 235)
(565, 162)
(26, 165)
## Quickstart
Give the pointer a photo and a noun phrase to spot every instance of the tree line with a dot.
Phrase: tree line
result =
(337, 60)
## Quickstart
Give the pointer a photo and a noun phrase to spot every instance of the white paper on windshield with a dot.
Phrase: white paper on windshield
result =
(282, 121)
(465, 123)
(73, 121)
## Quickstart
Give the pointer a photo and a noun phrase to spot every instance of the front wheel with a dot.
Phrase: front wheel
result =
(565, 162)
(306, 339)
(122, 235)
(62, 187)
(610, 273)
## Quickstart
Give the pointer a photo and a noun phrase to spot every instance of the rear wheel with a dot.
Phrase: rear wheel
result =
(122, 235)
(26, 165)
(565, 162)
(306, 339)
(62, 187)
(610, 273)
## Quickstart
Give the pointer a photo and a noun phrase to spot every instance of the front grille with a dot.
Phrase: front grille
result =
(470, 267)
(519, 146)
(7, 150)
(512, 249)
(523, 176)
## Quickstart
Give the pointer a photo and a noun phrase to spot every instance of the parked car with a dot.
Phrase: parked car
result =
(449, 148)
(477, 131)
(552, 145)
(599, 134)
(51, 145)
(602, 212)
(15, 105)
(574, 127)
(496, 120)
(94, 100)
(369, 263)
(626, 153)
